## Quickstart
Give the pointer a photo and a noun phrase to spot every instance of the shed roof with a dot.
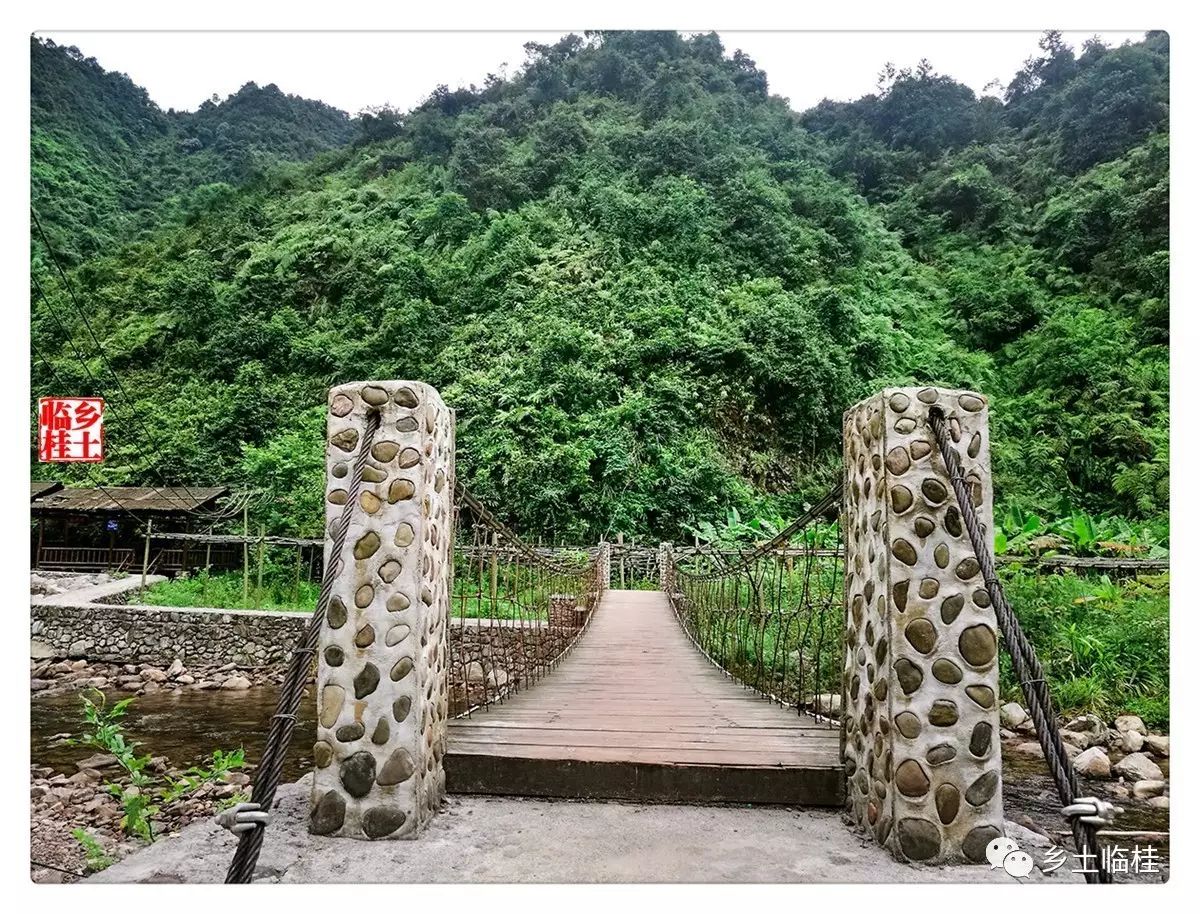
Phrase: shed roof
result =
(128, 498)
(40, 487)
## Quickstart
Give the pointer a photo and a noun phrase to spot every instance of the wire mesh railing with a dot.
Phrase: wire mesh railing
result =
(771, 617)
(516, 610)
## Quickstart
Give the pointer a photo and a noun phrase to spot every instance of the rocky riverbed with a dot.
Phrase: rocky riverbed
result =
(181, 715)
(51, 676)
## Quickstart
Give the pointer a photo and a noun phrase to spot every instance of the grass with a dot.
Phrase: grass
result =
(520, 593)
(1104, 644)
(223, 590)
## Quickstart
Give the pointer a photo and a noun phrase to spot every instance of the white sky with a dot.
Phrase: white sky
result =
(354, 70)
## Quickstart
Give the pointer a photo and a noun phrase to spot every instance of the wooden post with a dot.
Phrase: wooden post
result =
(41, 525)
(146, 554)
(495, 563)
(183, 552)
(296, 582)
(112, 541)
(621, 560)
(245, 555)
(262, 551)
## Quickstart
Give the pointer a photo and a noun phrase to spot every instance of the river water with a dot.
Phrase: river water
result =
(187, 726)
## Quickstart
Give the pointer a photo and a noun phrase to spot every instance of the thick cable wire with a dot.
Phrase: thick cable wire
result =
(279, 737)
(1026, 666)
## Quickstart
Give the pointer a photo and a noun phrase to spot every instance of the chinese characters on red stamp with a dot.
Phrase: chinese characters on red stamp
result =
(71, 429)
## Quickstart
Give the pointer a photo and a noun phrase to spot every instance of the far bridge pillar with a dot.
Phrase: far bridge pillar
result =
(920, 682)
(382, 672)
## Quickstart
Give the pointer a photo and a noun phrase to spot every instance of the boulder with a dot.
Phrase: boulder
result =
(236, 683)
(1093, 763)
(1071, 738)
(1131, 741)
(175, 668)
(1159, 803)
(1031, 749)
(1012, 715)
(153, 674)
(1137, 766)
(1129, 722)
(475, 671)
(99, 760)
(1144, 790)
(40, 650)
(1158, 745)
(1090, 724)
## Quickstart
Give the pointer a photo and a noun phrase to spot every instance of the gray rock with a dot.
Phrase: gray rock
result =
(236, 683)
(1093, 763)
(1090, 724)
(1071, 738)
(1144, 790)
(1128, 722)
(1138, 766)
(1158, 745)
(1131, 741)
(1012, 715)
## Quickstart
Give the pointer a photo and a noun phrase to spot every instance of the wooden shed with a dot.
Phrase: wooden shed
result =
(103, 529)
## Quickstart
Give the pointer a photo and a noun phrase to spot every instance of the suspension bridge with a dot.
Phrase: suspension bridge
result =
(851, 660)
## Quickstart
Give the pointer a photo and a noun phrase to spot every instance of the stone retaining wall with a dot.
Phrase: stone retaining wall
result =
(158, 635)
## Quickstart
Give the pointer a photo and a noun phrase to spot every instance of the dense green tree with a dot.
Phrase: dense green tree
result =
(647, 286)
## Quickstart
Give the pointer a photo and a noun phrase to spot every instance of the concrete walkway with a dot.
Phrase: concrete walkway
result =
(492, 839)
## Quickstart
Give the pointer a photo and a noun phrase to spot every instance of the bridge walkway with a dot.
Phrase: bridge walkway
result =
(636, 712)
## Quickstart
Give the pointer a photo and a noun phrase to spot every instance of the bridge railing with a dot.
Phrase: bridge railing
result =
(771, 616)
(515, 610)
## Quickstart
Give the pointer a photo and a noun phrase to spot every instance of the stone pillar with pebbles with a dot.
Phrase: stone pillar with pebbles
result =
(921, 724)
(382, 685)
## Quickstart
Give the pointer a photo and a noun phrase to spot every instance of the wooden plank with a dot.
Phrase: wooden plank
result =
(636, 712)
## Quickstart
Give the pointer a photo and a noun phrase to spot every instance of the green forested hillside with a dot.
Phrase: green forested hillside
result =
(648, 286)
(108, 164)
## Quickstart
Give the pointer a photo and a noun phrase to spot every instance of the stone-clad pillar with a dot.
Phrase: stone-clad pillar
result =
(382, 685)
(921, 728)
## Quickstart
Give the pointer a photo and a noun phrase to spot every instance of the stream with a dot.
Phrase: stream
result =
(187, 726)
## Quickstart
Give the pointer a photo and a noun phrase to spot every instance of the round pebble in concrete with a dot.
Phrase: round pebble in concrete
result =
(366, 681)
(398, 768)
(328, 815)
(358, 773)
(911, 779)
(381, 821)
(977, 644)
(947, 800)
(977, 840)
(981, 739)
(984, 788)
(919, 839)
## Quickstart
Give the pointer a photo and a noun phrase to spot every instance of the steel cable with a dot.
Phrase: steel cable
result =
(283, 722)
(1026, 666)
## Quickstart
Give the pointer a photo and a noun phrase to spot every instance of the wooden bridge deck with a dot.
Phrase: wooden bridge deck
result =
(636, 712)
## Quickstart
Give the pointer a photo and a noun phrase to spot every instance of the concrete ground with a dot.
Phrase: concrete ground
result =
(493, 839)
